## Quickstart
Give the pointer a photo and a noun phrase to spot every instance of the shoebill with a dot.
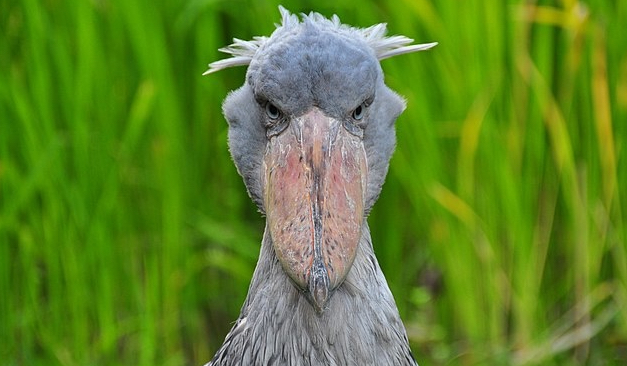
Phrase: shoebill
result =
(311, 132)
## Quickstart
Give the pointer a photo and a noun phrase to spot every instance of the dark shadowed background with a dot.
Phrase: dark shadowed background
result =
(127, 237)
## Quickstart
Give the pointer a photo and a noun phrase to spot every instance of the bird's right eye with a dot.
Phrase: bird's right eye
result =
(272, 111)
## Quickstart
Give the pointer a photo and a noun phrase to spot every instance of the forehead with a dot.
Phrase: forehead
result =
(313, 64)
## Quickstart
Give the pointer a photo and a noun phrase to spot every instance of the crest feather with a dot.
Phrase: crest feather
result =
(242, 52)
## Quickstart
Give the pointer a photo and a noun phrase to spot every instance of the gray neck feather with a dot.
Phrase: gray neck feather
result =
(278, 326)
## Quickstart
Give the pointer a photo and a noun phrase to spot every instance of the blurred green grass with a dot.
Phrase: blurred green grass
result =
(126, 236)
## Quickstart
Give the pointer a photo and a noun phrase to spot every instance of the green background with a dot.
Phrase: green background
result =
(127, 238)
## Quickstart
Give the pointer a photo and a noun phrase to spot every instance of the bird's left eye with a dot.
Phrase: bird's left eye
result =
(272, 111)
(359, 112)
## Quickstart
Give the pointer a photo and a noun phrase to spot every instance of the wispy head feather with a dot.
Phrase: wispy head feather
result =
(242, 52)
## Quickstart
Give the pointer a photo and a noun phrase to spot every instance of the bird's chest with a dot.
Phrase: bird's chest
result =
(300, 336)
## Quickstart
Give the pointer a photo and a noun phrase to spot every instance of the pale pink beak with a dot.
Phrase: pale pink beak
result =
(315, 180)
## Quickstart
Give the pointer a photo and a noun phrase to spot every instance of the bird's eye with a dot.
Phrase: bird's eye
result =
(358, 113)
(272, 111)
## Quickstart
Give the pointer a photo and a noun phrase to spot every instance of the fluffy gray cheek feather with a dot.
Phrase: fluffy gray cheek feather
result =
(247, 139)
(380, 139)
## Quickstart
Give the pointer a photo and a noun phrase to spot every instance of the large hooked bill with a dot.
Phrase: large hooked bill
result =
(315, 181)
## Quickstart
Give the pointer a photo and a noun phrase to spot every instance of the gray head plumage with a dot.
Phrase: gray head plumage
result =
(282, 67)
(375, 36)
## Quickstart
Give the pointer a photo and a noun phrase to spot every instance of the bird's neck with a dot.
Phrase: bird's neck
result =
(360, 326)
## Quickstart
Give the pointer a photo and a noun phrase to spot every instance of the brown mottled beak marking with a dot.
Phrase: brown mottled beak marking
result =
(315, 179)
